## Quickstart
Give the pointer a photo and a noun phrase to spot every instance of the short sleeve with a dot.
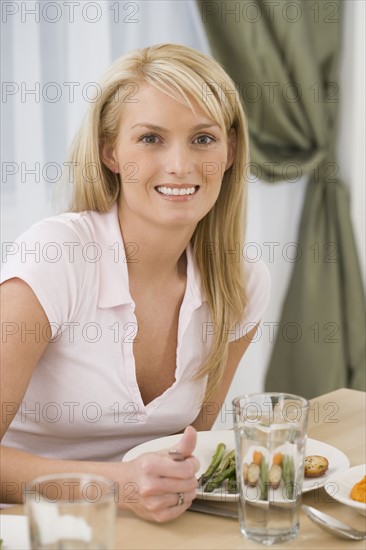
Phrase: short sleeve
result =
(258, 292)
(49, 258)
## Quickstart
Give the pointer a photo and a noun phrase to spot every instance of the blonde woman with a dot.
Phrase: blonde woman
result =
(129, 318)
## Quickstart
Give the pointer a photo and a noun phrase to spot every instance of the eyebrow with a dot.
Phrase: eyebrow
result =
(161, 129)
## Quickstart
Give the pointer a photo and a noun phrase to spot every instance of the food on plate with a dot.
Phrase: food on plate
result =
(225, 471)
(257, 457)
(254, 472)
(216, 481)
(221, 472)
(264, 480)
(315, 465)
(275, 476)
(221, 469)
(257, 472)
(288, 475)
(245, 472)
(358, 491)
(277, 459)
(214, 464)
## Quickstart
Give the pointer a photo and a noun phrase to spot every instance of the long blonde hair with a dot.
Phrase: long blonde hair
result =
(182, 73)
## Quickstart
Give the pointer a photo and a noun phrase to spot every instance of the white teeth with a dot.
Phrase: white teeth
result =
(176, 190)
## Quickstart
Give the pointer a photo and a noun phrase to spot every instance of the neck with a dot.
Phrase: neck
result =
(158, 252)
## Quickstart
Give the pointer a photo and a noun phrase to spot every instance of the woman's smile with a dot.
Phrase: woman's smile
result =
(177, 193)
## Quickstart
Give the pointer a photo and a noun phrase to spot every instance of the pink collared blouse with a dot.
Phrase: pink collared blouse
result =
(83, 401)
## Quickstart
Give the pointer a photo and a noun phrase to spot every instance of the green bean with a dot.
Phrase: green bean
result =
(264, 480)
(214, 464)
(232, 485)
(216, 480)
(228, 459)
(288, 475)
(285, 473)
(292, 477)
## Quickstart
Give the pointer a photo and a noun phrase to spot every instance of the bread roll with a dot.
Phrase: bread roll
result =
(315, 465)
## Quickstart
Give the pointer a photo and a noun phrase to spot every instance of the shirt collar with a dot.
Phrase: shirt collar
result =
(194, 288)
(113, 272)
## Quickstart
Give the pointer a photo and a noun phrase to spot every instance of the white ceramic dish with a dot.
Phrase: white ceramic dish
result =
(206, 445)
(14, 532)
(340, 484)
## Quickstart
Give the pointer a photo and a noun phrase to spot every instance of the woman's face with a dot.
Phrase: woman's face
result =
(171, 161)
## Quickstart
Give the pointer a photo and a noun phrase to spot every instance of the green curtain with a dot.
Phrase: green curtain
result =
(284, 59)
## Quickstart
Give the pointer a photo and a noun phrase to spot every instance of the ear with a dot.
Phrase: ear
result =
(109, 158)
(231, 152)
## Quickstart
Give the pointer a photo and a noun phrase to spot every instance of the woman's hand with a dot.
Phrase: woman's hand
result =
(162, 488)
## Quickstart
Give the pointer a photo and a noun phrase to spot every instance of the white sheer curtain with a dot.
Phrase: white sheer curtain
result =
(52, 55)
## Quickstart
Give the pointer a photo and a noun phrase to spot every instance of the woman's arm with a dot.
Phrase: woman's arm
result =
(147, 485)
(24, 326)
(211, 409)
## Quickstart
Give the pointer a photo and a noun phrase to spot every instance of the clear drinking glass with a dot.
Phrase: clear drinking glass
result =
(270, 436)
(71, 511)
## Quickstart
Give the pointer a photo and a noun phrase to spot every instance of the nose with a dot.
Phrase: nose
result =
(178, 160)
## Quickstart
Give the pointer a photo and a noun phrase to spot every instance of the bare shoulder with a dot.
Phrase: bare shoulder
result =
(18, 299)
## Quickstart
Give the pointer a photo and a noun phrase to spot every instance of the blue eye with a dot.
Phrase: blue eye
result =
(149, 139)
(204, 140)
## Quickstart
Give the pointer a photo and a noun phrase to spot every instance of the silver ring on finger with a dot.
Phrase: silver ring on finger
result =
(180, 499)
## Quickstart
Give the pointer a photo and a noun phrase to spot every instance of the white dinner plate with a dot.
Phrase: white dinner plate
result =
(206, 445)
(14, 532)
(340, 484)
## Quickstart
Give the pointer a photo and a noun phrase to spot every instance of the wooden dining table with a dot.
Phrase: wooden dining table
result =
(337, 418)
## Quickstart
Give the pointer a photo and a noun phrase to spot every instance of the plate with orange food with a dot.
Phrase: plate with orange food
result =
(349, 487)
